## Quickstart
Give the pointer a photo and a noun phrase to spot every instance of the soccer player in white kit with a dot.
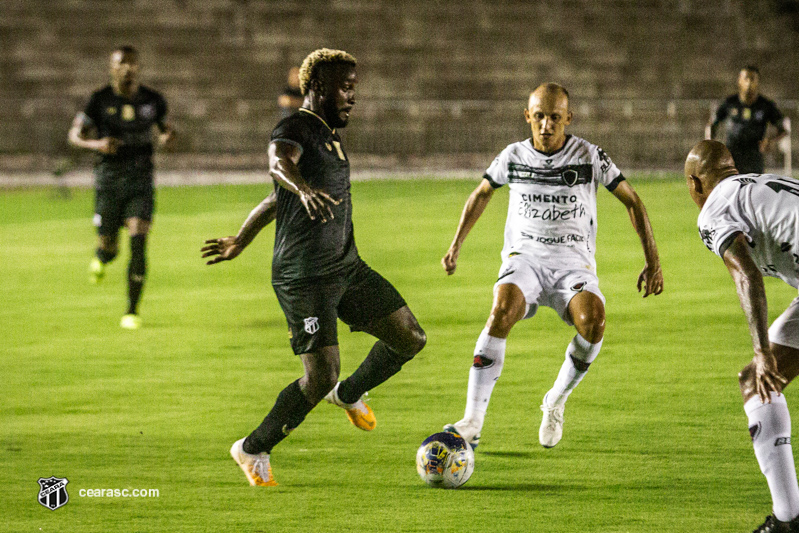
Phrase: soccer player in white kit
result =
(751, 221)
(548, 256)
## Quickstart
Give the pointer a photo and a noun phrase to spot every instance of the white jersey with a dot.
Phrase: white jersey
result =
(765, 208)
(552, 209)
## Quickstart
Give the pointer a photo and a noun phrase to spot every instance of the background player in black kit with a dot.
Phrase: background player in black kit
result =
(118, 124)
(748, 114)
(317, 273)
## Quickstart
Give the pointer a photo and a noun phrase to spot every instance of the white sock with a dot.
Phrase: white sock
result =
(489, 356)
(584, 353)
(770, 428)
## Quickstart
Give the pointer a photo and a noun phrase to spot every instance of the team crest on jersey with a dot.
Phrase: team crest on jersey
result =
(570, 177)
(734, 111)
(147, 111)
(111, 110)
(128, 112)
(311, 325)
(747, 113)
(53, 492)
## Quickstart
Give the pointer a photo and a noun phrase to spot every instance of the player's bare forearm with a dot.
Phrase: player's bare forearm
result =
(283, 160)
(475, 205)
(166, 136)
(751, 291)
(260, 217)
(651, 277)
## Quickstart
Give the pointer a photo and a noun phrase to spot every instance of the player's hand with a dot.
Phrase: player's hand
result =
(651, 279)
(450, 261)
(317, 203)
(166, 140)
(767, 376)
(224, 249)
(108, 145)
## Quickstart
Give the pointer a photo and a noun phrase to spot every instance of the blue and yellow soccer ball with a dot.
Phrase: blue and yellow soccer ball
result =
(445, 460)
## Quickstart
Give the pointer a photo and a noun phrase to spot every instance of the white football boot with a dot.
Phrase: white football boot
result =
(468, 429)
(551, 429)
(255, 466)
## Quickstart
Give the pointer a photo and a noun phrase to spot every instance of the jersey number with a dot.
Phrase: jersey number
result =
(339, 150)
(778, 186)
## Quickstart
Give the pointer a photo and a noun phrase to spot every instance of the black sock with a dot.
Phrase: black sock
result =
(289, 411)
(136, 270)
(381, 363)
(105, 256)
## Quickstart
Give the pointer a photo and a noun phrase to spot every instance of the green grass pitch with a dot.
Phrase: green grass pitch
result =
(655, 437)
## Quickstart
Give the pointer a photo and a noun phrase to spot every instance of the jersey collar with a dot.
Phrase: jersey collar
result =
(305, 110)
(532, 147)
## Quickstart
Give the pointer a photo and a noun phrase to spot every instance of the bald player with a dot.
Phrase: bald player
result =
(751, 221)
(548, 257)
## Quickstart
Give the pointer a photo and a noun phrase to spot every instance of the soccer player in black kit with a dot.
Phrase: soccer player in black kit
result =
(118, 124)
(317, 274)
(748, 114)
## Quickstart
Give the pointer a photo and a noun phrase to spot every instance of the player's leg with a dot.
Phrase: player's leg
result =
(586, 310)
(310, 310)
(107, 220)
(508, 308)
(770, 423)
(138, 216)
(372, 305)
(291, 407)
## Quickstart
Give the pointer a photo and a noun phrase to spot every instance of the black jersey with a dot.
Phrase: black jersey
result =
(303, 247)
(128, 119)
(746, 125)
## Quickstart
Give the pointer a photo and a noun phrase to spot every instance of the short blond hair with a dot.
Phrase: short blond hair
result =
(310, 65)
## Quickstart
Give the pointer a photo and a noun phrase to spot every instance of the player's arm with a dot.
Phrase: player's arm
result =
(79, 136)
(752, 294)
(166, 135)
(775, 134)
(474, 207)
(651, 277)
(228, 248)
(283, 160)
(712, 127)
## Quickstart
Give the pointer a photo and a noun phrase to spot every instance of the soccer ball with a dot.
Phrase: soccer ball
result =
(445, 460)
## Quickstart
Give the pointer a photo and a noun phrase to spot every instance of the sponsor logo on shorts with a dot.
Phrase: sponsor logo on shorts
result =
(782, 440)
(53, 492)
(311, 325)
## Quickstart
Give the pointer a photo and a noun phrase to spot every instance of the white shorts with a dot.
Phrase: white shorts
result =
(785, 330)
(543, 286)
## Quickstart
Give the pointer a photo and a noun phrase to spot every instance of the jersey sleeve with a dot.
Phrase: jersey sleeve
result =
(721, 113)
(718, 225)
(293, 131)
(774, 115)
(605, 171)
(160, 112)
(91, 113)
(497, 171)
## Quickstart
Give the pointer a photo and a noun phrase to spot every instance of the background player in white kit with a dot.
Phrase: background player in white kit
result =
(752, 222)
(548, 257)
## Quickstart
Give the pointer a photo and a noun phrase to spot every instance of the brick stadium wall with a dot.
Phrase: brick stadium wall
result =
(441, 82)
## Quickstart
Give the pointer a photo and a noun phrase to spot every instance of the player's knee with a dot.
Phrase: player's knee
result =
(417, 341)
(746, 380)
(503, 317)
(590, 324)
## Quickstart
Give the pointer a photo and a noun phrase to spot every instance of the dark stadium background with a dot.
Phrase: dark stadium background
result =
(442, 83)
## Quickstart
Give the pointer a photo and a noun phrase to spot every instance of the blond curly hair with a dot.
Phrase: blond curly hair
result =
(310, 65)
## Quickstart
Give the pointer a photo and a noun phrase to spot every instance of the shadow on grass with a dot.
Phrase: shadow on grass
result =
(528, 455)
(523, 487)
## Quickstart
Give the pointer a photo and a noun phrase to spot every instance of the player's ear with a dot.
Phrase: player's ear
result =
(527, 115)
(317, 87)
(695, 184)
(569, 117)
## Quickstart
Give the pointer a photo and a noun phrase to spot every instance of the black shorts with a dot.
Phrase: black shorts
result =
(358, 296)
(114, 205)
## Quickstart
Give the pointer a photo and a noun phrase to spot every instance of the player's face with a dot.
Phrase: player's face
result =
(339, 98)
(124, 70)
(548, 115)
(748, 83)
